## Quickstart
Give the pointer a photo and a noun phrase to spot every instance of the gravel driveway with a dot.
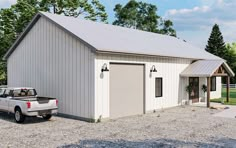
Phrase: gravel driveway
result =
(176, 127)
(230, 112)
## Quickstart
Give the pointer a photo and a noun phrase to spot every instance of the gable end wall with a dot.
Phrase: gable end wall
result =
(56, 65)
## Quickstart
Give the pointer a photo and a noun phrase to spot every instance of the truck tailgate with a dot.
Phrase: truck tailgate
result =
(43, 104)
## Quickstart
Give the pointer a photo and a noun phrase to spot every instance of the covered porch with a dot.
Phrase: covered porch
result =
(209, 70)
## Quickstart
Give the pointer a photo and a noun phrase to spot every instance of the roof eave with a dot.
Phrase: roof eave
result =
(29, 27)
(228, 69)
(195, 75)
(231, 73)
(142, 54)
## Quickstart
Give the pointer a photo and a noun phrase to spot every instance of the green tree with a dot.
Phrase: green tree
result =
(26, 9)
(216, 44)
(142, 16)
(7, 36)
(231, 46)
(13, 20)
(94, 11)
(231, 58)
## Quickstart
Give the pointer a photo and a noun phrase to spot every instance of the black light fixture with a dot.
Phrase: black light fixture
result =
(153, 69)
(104, 68)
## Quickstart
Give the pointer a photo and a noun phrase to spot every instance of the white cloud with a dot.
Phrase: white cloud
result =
(6, 3)
(186, 11)
(199, 20)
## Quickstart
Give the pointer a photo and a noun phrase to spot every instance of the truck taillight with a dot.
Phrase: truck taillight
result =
(56, 102)
(28, 104)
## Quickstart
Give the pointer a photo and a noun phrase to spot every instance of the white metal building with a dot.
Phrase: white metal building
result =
(98, 70)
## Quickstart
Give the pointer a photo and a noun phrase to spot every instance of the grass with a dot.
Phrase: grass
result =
(232, 97)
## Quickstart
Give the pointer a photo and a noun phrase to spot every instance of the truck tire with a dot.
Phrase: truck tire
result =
(19, 117)
(47, 117)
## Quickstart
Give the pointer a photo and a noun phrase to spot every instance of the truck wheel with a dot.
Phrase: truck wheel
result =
(47, 117)
(19, 117)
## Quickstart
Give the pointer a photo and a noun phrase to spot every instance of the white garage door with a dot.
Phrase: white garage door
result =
(126, 90)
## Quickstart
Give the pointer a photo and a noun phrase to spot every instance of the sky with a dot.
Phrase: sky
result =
(193, 19)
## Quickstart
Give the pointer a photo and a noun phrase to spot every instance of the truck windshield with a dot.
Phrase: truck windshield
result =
(24, 92)
(1, 91)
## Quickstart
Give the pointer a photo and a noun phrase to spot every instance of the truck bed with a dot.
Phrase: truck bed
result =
(33, 98)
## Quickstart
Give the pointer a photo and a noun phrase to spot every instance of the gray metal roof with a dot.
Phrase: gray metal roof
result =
(205, 68)
(109, 38)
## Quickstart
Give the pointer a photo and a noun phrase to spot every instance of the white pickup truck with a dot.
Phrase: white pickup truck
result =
(24, 102)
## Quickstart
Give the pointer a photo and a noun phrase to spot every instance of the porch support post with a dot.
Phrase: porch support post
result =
(208, 91)
(227, 88)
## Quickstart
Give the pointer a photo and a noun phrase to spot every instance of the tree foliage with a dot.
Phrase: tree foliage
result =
(142, 16)
(216, 46)
(7, 36)
(94, 11)
(231, 58)
(231, 47)
(13, 20)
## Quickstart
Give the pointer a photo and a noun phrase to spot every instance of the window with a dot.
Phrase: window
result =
(7, 92)
(24, 92)
(213, 83)
(1, 91)
(158, 87)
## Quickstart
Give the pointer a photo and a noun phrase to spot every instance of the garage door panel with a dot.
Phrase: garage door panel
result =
(126, 90)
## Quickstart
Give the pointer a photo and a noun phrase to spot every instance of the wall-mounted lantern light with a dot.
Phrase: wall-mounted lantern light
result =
(104, 68)
(153, 69)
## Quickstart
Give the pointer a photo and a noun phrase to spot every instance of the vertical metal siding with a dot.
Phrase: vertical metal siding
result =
(214, 94)
(169, 69)
(60, 66)
(217, 93)
(57, 65)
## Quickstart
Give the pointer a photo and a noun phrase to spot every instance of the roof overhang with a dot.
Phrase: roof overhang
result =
(29, 27)
(207, 68)
(139, 54)
(113, 39)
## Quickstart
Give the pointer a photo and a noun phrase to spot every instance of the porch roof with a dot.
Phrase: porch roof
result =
(206, 68)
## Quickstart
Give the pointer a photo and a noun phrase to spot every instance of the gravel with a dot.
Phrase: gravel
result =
(229, 112)
(186, 126)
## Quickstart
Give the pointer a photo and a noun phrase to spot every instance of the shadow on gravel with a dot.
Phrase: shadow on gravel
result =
(160, 143)
(28, 120)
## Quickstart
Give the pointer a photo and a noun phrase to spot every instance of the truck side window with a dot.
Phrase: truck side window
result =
(1, 91)
(7, 93)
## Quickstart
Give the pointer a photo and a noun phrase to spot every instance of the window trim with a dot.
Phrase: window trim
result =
(212, 83)
(161, 95)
